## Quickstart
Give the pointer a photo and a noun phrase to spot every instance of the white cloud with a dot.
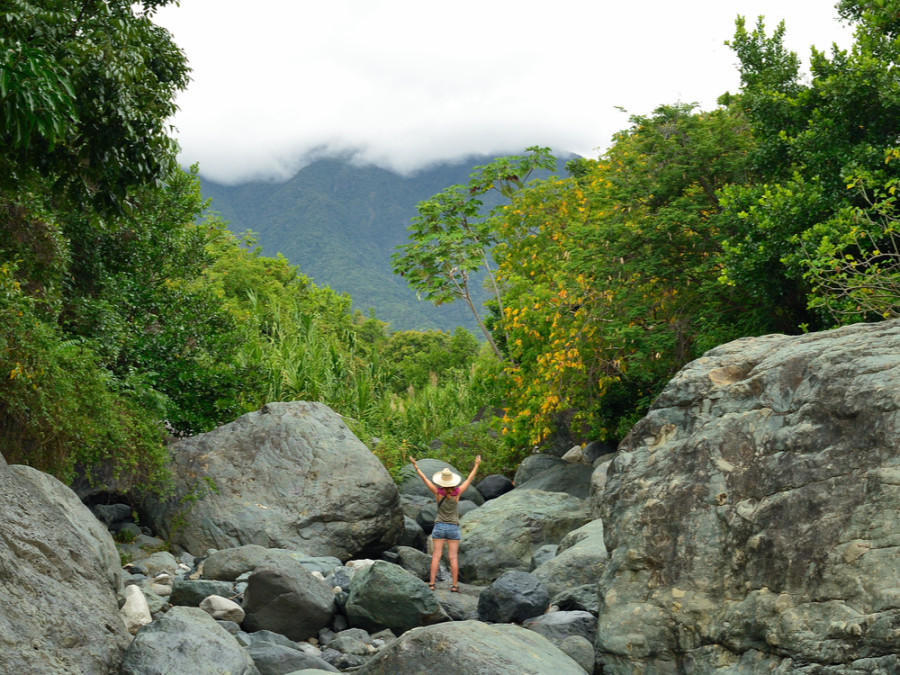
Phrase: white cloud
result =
(405, 83)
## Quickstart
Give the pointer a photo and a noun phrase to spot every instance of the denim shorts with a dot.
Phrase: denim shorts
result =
(445, 531)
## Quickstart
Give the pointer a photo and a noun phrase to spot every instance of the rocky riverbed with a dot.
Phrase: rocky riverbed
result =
(747, 524)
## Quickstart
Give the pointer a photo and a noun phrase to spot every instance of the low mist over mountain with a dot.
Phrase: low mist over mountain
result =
(340, 224)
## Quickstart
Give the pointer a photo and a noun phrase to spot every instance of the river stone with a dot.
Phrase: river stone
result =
(513, 597)
(752, 515)
(473, 648)
(494, 485)
(579, 597)
(532, 465)
(59, 576)
(161, 562)
(581, 650)
(385, 595)
(459, 606)
(135, 611)
(557, 626)
(580, 560)
(574, 479)
(231, 563)
(287, 599)
(185, 640)
(274, 659)
(507, 531)
(413, 534)
(291, 475)
(191, 592)
(222, 609)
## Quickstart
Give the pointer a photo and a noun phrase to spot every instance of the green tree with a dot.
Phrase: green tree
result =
(814, 142)
(86, 89)
(611, 275)
(415, 358)
(452, 237)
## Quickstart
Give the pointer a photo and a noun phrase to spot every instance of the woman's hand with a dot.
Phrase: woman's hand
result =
(415, 466)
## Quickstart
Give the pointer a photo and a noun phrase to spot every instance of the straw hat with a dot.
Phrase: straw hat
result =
(446, 478)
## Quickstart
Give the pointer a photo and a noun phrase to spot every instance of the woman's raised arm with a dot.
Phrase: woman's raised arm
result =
(465, 485)
(431, 486)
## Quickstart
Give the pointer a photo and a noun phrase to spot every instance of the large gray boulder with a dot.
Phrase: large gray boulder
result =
(579, 560)
(512, 598)
(185, 640)
(752, 515)
(474, 648)
(557, 626)
(291, 475)
(59, 575)
(494, 485)
(574, 479)
(287, 599)
(385, 595)
(506, 532)
(231, 563)
(274, 659)
(534, 464)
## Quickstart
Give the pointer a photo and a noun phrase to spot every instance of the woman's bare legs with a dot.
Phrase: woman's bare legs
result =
(438, 545)
(452, 550)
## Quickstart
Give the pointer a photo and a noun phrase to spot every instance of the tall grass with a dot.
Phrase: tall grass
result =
(305, 355)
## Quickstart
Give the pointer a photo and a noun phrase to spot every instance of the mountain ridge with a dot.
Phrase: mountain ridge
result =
(340, 223)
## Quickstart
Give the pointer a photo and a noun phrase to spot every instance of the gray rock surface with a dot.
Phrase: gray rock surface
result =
(59, 575)
(274, 659)
(185, 640)
(291, 475)
(534, 464)
(230, 563)
(494, 485)
(752, 515)
(506, 532)
(287, 599)
(473, 648)
(514, 597)
(385, 595)
(191, 592)
(580, 560)
(575, 479)
(557, 626)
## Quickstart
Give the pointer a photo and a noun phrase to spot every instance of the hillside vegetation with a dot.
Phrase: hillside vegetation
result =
(340, 223)
(124, 312)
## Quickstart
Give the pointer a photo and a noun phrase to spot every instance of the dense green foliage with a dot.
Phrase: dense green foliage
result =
(774, 212)
(85, 92)
(125, 311)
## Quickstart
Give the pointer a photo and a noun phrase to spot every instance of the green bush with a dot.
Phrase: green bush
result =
(59, 410)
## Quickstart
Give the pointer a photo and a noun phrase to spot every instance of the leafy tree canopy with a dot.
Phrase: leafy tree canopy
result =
(85, 92)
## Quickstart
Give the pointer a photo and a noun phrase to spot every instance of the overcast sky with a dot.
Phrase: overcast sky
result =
(405, 83)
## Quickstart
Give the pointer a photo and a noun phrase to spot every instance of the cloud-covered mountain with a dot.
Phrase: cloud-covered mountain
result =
(340, 223)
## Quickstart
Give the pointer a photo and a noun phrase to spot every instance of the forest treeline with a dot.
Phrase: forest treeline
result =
(126, 314)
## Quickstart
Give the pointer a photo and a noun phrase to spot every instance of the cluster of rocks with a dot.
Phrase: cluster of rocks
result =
(280, 611)
(747, 524)
(289, 610)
